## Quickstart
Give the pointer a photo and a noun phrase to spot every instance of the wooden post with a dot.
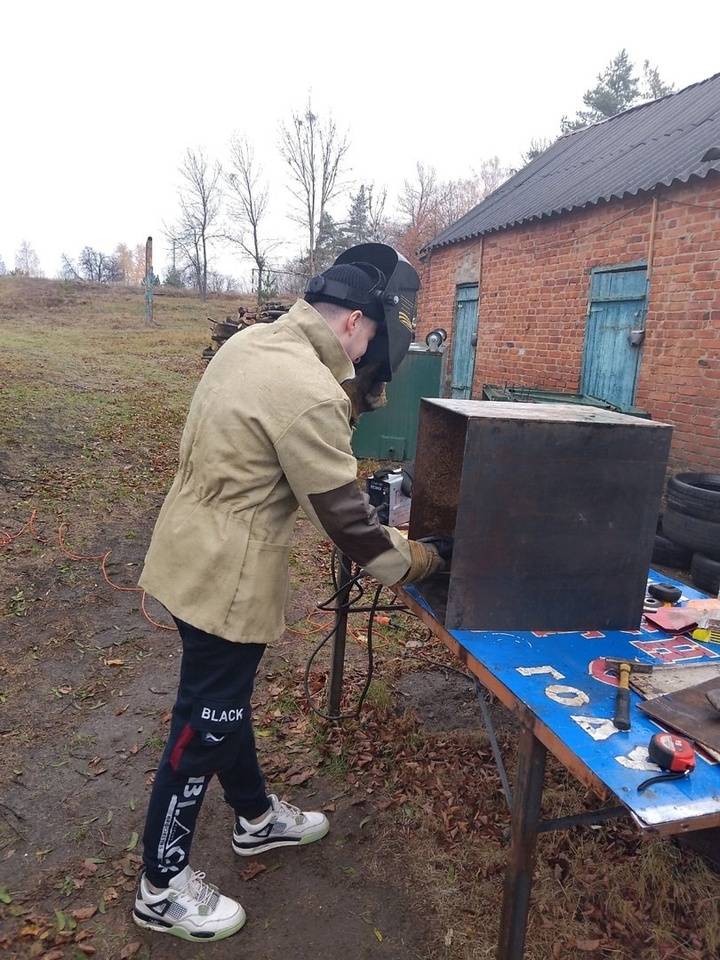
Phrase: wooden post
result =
(149, 283)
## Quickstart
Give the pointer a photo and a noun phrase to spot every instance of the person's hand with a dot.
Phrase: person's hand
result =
(428, 556)
(443, 545)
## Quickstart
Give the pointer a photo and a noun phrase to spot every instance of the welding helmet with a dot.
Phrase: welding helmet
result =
(382, 284)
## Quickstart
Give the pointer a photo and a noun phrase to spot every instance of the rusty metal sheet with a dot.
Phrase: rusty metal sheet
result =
(553, 508)
(689, 712)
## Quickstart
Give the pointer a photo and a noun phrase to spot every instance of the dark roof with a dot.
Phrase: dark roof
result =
(656, 143)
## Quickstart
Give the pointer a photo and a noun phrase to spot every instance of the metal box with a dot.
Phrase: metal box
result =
(553, 508)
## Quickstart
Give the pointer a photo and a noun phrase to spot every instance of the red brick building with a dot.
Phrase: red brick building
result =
(596, 270)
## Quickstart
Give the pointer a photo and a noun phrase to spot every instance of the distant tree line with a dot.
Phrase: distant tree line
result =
(226, 205)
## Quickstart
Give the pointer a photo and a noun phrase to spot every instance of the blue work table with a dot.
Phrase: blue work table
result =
(559, 687)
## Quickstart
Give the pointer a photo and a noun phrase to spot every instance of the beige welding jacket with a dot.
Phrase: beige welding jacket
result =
(268, 429)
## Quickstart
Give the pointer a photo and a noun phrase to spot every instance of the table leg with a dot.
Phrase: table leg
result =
(525, 818)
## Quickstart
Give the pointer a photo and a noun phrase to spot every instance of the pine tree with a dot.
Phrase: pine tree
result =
(357, 229)
(653, 85)
(617, 89)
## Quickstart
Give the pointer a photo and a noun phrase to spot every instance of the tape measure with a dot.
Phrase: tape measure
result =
(673, 754)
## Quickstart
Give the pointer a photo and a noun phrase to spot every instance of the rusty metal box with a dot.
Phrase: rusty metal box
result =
(553, 508)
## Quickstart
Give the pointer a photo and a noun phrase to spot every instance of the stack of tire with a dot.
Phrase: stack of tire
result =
(690, 530)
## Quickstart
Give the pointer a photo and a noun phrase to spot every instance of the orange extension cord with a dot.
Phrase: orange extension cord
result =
(7, 538)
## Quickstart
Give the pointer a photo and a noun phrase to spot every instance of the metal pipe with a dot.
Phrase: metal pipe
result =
(589, 819)
(651, 240)
(337, 669)
(483, 697)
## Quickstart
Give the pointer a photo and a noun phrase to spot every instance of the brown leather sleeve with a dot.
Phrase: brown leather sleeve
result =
(351, 522)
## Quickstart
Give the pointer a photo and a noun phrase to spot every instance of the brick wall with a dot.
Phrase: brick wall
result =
(534, 285)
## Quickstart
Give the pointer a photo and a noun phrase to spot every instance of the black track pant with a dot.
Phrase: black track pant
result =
(211, 732)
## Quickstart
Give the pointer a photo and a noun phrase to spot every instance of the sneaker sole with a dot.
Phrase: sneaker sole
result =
(277, 844)
(184, 934)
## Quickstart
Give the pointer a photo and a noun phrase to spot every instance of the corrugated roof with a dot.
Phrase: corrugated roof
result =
(655, 143)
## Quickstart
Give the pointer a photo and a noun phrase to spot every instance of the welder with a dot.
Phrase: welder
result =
(269, 428)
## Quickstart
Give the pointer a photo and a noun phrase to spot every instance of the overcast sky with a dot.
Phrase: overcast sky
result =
(100, 100)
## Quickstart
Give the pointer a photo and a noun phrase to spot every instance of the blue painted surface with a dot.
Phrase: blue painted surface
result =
(464, 330)
(617, 306)
(571, 654)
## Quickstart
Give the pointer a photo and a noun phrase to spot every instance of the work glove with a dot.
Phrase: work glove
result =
(443, 545)
(426, 558)
(366, 391)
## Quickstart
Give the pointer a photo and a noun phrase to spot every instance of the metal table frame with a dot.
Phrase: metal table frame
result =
(525, 800)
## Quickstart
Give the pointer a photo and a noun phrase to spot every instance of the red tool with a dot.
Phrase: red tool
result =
(673, 754)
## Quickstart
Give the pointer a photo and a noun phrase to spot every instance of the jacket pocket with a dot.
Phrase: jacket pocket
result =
(257, 613)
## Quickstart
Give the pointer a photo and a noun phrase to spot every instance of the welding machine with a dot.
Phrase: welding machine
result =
(389, 490)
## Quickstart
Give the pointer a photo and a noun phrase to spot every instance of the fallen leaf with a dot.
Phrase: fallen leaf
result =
(378, 935)
(365, 821)
(252, 871)
(5, 895)
(301, 778)
(84, 913)
(448, 938)
(133, 841)
(134, 748)
(129, 950)
(587, 945)
(87, 948)
(53, 955)
(114, 663)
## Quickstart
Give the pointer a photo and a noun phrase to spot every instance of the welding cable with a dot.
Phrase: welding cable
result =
(353, 715)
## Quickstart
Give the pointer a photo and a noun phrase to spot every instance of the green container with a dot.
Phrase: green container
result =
(390, 433)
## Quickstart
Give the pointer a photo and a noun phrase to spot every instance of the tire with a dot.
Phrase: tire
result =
(669, 554)
(706, 574)
(701, 536)
(695, 494)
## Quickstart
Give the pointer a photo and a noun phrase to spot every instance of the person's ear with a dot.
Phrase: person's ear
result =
(353, 320)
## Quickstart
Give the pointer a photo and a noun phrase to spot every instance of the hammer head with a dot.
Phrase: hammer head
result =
(634, 665)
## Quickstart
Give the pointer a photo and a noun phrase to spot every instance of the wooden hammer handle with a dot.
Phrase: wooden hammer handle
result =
(622, 702)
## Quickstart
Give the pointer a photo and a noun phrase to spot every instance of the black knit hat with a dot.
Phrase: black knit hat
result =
(357, 286)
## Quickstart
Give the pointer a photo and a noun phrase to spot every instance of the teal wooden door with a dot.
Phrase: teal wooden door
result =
(464, 340)
(614, 334)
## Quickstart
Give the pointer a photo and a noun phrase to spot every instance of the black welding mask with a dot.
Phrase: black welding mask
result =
(389, 298)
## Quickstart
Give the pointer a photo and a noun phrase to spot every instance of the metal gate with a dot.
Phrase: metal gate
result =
(464, 340)
(615, 332)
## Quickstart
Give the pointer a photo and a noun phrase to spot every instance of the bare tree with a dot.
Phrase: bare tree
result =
(249, 202)
(27, 263)
(377, 220)
(314, 151)
(418, 200)
(68, 270)
(200, 195)
(3, 268)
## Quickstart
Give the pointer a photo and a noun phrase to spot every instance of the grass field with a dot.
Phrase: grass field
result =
(91, 408)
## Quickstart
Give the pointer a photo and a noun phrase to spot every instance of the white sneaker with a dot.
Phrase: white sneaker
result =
(188, 908)
(282, 826)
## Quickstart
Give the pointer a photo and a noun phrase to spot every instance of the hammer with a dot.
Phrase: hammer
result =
(622, 702)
